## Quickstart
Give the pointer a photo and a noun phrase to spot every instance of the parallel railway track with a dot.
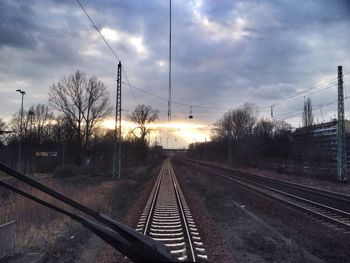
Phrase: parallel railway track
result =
(332, 198)
(329, 208)
(167, 218)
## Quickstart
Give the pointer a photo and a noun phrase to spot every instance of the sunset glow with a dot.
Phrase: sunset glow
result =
(170, 135)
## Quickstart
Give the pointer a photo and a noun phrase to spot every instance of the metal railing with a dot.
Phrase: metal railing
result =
(7, 239)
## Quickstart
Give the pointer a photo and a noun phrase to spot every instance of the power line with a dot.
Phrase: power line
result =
(98, 30)
(124, 72)
(302, 93)
(327, 87)
(108, 45)
(296, 96)
(320, 106)
(299, 94)
(174, 102)
(128, 84)
(200, 106)
(314, 108)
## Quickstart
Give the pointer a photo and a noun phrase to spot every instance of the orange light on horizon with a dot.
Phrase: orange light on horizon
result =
(110, 124)
(179, 133)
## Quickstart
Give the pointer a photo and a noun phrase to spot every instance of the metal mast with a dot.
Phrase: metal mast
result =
(341, 136)
(169, 97)
(118, 125)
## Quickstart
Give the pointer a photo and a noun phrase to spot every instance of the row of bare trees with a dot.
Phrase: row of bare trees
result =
(241, 136)
(81, 104)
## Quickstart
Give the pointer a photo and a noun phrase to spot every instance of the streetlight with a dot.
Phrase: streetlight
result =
(20, 132)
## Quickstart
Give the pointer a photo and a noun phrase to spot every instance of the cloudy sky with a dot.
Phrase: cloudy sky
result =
(225, 53)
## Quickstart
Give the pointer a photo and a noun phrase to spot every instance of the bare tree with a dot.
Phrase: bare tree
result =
(282, 129)
(142, 116)
(308, 117)
(62, 132)
(40, 120)
(2, 126)
(238, 123)
(83, 101)
(15, 122)
(263, 129)
(97, 106)
(3, 131)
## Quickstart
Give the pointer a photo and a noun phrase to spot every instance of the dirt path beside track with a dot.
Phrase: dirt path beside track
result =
(250, 235)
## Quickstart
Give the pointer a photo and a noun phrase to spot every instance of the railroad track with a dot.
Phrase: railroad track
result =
(167, 218)
(335, 218)
(330, 198)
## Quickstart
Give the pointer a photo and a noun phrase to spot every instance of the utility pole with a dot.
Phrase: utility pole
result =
(341, 136)
(20, 133)
(118, 126)
(169, 96)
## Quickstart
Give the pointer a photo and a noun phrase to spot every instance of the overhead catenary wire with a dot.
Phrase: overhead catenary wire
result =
(132, 92)
(107, 43)
(98, 30)
(327, 87)
(314, 108)
(301, 94)
(291, 98)
(174, 102)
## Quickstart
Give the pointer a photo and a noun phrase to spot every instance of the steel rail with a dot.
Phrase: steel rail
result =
(189, 237)
(167, 218)
(155, 195)
(329, 214)
(317, 191)
(303, 200)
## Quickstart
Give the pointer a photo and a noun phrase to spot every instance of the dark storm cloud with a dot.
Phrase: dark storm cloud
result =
(278, 48)
(17, 24)
(224, 52)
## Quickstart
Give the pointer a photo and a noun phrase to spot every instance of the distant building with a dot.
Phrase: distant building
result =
(319, 141)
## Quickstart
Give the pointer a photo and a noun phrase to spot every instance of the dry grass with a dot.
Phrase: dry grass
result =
(39, 227)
